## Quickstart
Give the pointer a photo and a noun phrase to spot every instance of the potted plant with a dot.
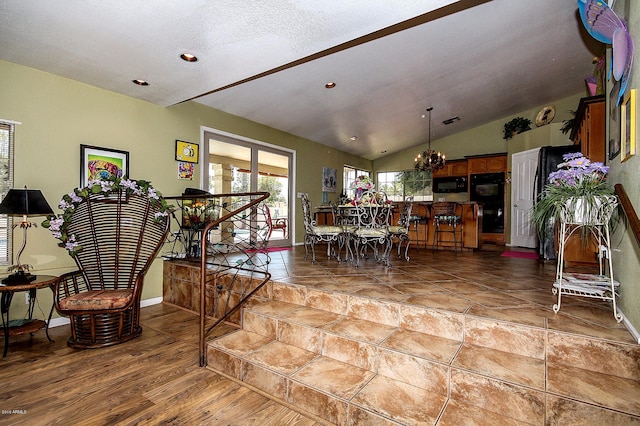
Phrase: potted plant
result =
(577, 193)
(515, 126)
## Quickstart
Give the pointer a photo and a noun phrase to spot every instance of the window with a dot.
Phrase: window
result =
(349, 177)
(391, 184)
(6, 183)
(398, 185)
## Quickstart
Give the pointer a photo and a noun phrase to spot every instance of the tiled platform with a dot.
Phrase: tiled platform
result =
(443, 339)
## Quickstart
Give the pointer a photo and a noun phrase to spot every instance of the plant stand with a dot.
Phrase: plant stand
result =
(598, 286)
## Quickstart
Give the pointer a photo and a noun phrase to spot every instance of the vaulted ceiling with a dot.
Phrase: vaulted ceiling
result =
(269, 60)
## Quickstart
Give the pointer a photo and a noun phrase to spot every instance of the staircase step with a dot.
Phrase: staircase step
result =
(351, 359)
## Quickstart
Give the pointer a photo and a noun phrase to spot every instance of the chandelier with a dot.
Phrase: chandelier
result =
(429, 160)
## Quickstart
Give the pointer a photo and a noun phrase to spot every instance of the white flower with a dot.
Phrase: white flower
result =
(55, 224)
(64, 205)
(71, 243)
(74, 197)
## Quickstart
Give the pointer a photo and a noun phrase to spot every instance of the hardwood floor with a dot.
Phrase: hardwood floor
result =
(154, 379)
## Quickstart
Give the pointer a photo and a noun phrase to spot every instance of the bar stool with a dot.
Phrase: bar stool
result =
(447, 218)
(414, 221)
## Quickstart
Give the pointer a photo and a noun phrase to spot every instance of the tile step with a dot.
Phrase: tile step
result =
(338, 392)
(342, 393)
(540, 343)
(356, 359)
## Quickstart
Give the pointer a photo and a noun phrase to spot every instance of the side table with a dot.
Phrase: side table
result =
(19, 327)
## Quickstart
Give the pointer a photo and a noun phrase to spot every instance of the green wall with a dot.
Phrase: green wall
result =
(626, 253)
(58, 114)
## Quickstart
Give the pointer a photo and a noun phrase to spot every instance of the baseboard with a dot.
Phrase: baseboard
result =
(57, 322)
(630, 327)
(150, 302)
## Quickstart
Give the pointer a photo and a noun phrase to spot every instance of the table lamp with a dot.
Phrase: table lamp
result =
(23, 202)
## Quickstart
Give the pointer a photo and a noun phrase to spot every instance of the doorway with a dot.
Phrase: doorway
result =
(237, 164)
(523, 174)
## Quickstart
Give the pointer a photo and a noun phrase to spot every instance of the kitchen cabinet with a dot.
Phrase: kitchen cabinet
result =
(589, 132)
(452, 168)
(487, 187)
(487, 164)
(589, 128)
(422, 231)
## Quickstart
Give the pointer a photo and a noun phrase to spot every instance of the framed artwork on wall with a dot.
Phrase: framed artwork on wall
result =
(329, 179)
(186, 151)
(614, 123)
(101, 163)
(628, 125)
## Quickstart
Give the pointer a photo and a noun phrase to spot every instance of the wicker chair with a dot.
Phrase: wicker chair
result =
(119, 237)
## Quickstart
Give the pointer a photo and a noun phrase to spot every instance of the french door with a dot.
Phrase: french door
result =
(234, 164)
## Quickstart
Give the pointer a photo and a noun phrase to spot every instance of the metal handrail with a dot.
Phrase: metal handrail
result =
(205, 263)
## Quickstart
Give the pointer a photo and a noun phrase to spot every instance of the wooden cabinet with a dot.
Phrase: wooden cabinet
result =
(459, 168)
(452, 168)
(589, 132)
(492, 208)
(487, 164)
(589, 128)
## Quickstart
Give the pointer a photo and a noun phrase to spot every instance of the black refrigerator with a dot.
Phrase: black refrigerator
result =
(548, 160)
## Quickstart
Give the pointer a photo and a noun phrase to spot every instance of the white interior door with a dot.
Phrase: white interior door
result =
(523, 174)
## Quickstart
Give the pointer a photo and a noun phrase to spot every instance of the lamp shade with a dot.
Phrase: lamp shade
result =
(25, 202)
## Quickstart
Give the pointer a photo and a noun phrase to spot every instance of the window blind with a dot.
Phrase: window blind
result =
(6, 183)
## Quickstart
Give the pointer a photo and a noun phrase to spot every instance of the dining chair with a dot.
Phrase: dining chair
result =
(372, 229)
(275, 223)
(317, 234)
(400, 232)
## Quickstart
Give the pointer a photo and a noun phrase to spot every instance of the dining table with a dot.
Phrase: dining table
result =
(365, 226)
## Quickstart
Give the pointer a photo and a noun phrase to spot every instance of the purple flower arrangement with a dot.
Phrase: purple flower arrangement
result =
(578, 171)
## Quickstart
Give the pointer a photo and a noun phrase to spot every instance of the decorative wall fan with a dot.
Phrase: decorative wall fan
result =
(546, 115)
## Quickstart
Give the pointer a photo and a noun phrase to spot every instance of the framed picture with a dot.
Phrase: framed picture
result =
(329, 180)
(628, 125)
(614, 123)
(100, 163)
(186, 152)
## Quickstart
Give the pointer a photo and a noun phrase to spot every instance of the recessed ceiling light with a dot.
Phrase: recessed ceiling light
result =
(140, 82)
(330, 85)
(189, 57)
(451, 120)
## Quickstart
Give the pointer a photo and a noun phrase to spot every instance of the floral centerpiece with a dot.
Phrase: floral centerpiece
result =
(577, 192)
(58, 224)
(361, 184)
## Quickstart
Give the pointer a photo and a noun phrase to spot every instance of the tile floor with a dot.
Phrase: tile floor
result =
(481, 323)
(481, 283)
